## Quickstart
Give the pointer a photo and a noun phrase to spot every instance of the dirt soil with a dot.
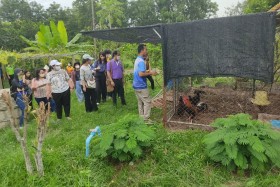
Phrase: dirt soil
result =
(225, 101)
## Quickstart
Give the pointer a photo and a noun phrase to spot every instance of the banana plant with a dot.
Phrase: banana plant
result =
(51, 39)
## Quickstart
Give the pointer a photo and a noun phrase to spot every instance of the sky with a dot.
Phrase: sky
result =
(223, 4)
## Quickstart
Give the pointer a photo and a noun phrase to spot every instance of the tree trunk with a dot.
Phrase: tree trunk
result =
(15, 129)
(43, 117)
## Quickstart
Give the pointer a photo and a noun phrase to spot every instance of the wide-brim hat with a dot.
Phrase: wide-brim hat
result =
(261, 98)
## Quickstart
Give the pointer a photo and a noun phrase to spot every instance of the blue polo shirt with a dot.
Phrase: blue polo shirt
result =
(139, 66)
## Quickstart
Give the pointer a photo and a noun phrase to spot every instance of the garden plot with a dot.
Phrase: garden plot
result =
(226, 101)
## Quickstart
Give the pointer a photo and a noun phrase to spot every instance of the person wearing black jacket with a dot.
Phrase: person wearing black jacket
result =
(18, 90)
(99, 67)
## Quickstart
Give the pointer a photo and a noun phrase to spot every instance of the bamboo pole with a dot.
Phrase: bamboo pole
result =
(275, 8)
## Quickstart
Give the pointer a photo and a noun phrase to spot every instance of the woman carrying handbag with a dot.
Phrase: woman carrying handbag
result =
(88, 84)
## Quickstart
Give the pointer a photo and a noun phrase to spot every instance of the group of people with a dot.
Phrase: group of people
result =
(90, 80)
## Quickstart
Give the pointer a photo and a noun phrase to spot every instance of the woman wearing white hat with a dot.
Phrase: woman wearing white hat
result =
(88, 84)
(60, 86)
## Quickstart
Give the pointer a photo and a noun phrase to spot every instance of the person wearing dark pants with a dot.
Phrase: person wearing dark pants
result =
(99, 67)
(90, 99)
(150, 78)
(88, 84)
(101, 88)
(61, 84)
(148, 69)
(115, 72)
(62, 99)
(118, 91)
(10, 73)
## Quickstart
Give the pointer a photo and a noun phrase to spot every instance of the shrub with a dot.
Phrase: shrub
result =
(242, 143)
(125, 139)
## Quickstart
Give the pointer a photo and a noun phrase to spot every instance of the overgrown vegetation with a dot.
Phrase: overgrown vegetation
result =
(176, 158)
(242, 143)
(124, 140)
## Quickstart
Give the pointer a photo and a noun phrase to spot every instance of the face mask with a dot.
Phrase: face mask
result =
(20, 76)
(42, 75)
(118, 58)
(77, 67)
(57, 68)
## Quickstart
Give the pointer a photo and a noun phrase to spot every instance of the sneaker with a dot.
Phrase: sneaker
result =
(97, 103)
(68, 118)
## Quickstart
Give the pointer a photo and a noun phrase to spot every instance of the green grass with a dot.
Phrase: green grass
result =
(176, 158)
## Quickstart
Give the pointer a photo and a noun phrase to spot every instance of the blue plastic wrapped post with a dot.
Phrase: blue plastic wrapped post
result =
(92, 134)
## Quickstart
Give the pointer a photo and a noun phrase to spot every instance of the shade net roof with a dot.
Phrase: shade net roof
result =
(146, 34)
(240, 46)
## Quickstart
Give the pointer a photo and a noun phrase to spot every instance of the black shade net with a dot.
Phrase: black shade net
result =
(240, 46)
(146, 34)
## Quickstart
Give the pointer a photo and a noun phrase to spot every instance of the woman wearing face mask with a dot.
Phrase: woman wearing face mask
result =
(88, 84)
(60, 85)
(75, 76)
(27, 81)
(99, 67)
(18, 91)
(41, 87)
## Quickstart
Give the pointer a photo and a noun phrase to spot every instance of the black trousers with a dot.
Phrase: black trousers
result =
(90, 99)
(62, 99)
(118, 90)
(30, 97)
(11, 79)
(150, 78)
(101, 88)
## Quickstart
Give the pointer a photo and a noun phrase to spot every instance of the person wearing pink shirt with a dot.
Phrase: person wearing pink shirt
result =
(41, 87)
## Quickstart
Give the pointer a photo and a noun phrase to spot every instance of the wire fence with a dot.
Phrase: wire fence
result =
(188, 104)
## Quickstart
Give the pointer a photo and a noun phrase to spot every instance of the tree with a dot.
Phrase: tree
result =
(110, 13)
(38, 12)
(82, 13)
(254, 6)
(10, 32)
(238, 9)
(55, 12)
(146, 12)
(12, 10)
(142, 13)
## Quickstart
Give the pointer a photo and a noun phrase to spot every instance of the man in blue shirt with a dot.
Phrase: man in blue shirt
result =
(140, 83)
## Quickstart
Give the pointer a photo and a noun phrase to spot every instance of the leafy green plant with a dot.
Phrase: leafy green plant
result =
(242, 143)
(53, 38)
(124, 140)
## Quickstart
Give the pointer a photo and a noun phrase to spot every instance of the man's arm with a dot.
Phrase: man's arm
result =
(145, 74)
(142, 70)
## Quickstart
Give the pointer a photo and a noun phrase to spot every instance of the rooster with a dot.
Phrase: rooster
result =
(191, 105)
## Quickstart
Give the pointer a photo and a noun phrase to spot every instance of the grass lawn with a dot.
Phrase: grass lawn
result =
(176, 159)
